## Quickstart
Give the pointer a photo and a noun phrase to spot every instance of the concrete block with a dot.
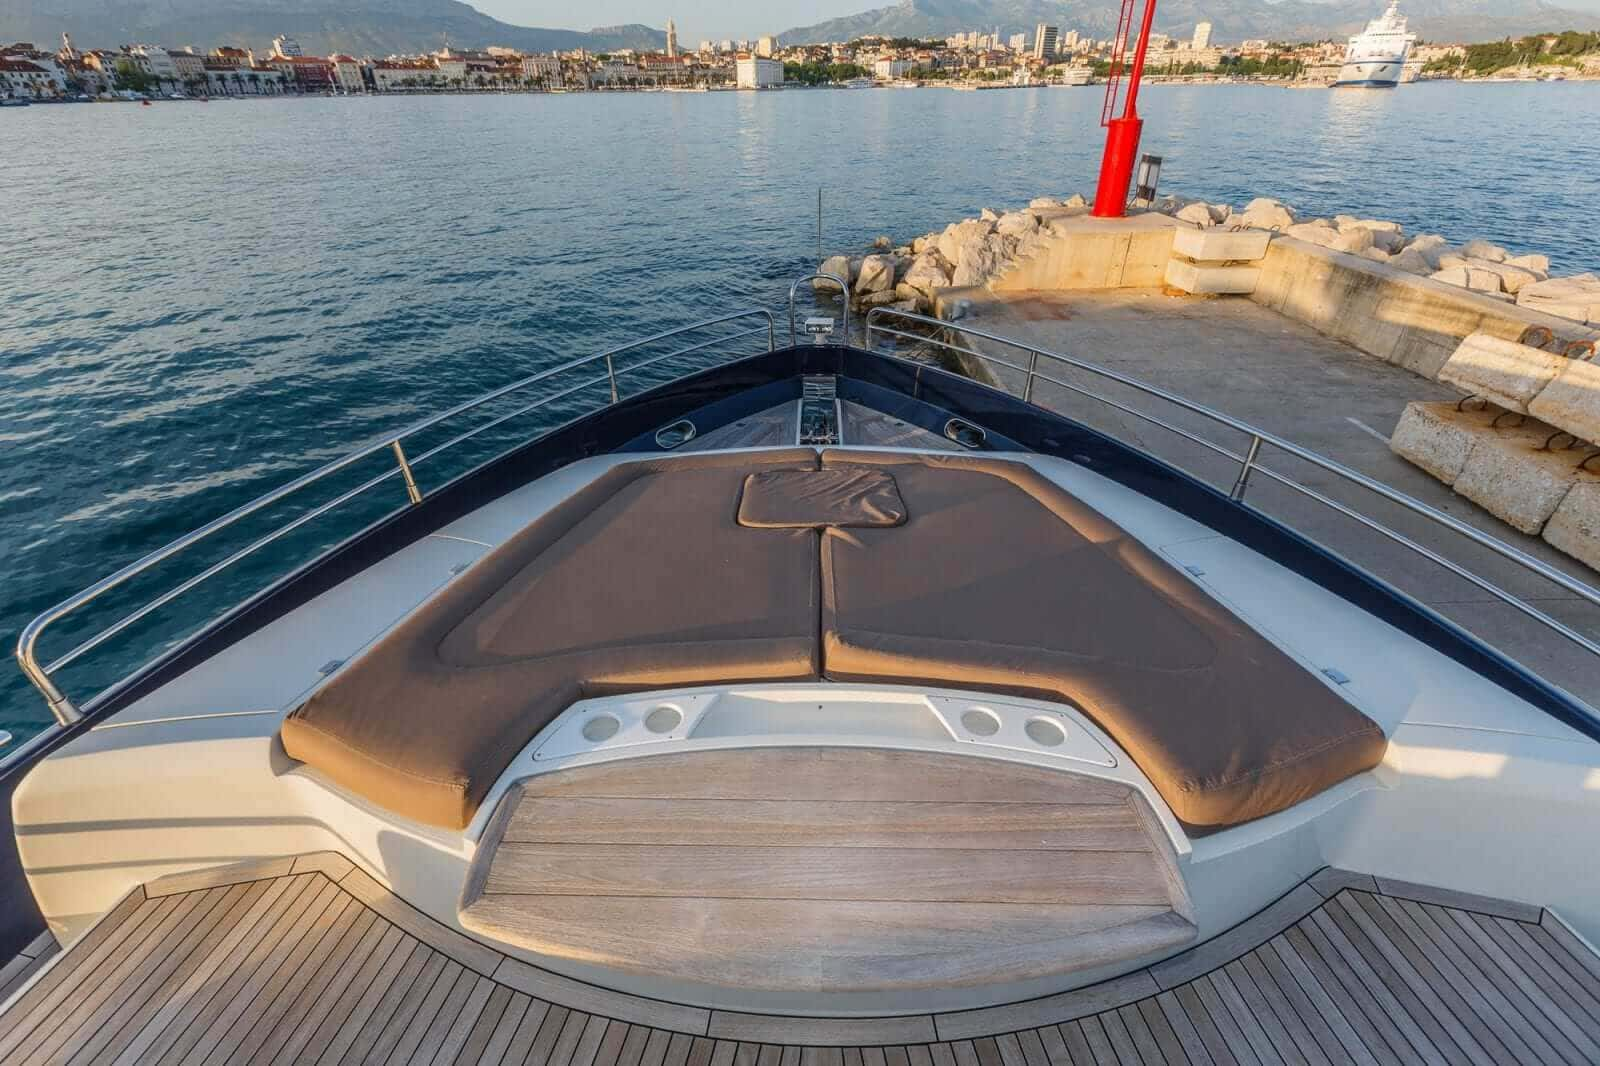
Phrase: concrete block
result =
(1577, 297)
(1572, 401)
(1503, 372)
(1218, 245)
(1510, 477)
(1209, 280)
(1438, 438)
(1575, 526)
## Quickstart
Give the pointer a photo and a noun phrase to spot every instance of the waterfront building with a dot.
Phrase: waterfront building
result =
(347, 74)
(390, 75)
(154, 61)
(1202, 36)
(23, 79)
(1045, 40)
(308, 74)
(543, 69)
(757, 72)
(189, 68)
(672, 39)
(286, 47)
(890, 69)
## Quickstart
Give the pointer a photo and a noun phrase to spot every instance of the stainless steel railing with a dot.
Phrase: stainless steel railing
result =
(1250, 462)
(67, 712)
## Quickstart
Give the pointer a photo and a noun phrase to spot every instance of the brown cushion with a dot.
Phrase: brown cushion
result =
(641, 580)
(1002, 580)
(783, 499)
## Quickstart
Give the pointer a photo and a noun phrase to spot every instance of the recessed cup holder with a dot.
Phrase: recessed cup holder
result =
(600, 728)
(663, 719)
(980, 722)
(1045, 732)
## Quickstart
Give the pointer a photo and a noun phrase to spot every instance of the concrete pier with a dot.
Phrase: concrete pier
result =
(1263, 367)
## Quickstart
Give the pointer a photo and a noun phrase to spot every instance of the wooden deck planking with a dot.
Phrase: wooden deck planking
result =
(296, 968)
(838, 869)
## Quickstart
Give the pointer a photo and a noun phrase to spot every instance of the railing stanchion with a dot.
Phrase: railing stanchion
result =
(611, 373)
(1242, 484)
(412, 492)
(1033, 367)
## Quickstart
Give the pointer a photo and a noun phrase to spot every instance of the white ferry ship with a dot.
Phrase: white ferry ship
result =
(1376, 57)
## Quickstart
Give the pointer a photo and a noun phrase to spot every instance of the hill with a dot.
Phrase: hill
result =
(1232, 20)
(361, 27)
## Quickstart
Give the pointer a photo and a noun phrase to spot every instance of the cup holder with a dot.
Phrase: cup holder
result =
(600, 728)
(664, 719)
(980, 722)
(1045, 732)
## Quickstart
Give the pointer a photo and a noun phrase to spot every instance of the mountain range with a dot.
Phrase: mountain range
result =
(323, 27)
(1231, 20)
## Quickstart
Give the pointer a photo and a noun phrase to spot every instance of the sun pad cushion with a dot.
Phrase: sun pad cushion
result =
(641, 580)
(1001, 579)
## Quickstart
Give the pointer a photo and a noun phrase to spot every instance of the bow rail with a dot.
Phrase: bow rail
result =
(67, 712)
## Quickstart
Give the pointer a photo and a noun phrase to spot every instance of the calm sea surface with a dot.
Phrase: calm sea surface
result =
(198, 303)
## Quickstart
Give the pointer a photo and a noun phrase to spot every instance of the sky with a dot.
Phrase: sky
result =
(697, 19)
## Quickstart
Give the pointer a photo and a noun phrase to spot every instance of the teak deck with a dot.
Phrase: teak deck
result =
(309, 960)
(842, 870)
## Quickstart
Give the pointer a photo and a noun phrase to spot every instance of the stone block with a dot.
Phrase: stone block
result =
(1205, 279)
(1572, 401)
(1503, 372)
(1438, 438)
(1468, 278)
(1219, 245)
(1536, 264)
(1577, 297)
(1575, 526)
(1510, 476)
(1484, 250)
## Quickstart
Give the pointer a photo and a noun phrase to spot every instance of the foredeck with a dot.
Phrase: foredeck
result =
(310, 960)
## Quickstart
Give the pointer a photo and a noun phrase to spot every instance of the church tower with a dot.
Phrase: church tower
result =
(672, 40)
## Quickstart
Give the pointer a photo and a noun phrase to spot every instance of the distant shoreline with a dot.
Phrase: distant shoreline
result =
(1154, 81)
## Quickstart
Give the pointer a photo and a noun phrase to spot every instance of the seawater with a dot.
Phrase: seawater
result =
(199, 302)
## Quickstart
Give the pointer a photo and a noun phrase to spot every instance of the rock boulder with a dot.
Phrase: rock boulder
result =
(1412, 261)
(1322, 235)
(1017, 224)
(877, 275)
(1534, 264)
(959, 233)
(928, 274)
(834, 264)
(1196, 214)
(1266, 213)
(1476, 249)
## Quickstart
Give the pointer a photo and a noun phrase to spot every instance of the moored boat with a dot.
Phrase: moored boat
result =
(1376, 57)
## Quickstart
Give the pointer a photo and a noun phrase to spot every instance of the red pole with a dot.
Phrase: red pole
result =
(1122, 134)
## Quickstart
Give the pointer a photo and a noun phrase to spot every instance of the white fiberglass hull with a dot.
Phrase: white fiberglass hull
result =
(1371, 73)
